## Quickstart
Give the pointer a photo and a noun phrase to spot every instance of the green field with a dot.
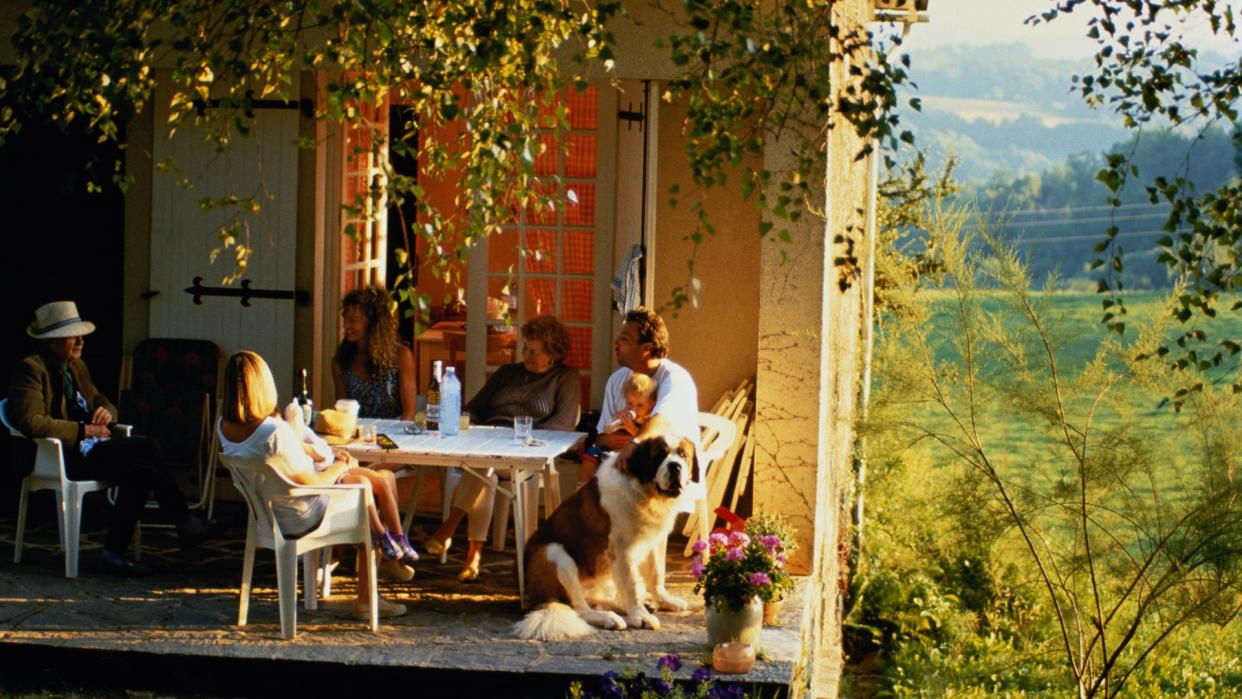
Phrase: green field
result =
(1073, 323)
(934, 521)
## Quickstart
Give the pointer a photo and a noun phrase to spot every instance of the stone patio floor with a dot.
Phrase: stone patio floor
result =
(175, 633)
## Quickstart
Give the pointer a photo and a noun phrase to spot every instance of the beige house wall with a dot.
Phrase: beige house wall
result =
(715, 341)
(136, 316)
(809, 361)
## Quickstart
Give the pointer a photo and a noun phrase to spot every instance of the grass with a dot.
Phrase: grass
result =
(1074, 323)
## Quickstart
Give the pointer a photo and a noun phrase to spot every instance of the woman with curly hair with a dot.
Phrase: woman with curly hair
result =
(541, 386)
(371, 365)
(374, 368)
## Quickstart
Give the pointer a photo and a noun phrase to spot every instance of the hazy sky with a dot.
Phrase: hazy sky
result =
(1001, 21)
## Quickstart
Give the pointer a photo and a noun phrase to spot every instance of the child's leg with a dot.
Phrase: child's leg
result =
(384, 490)
(590, 461)
(586, 471)
(377, 527)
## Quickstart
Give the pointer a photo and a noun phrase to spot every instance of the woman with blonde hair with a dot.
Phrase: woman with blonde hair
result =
(250, 431)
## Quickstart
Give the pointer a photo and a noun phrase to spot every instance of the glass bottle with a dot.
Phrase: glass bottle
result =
(433, 396)
(304, 400)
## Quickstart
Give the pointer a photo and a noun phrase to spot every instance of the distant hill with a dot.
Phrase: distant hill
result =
(1002, 109)
(1029, 150)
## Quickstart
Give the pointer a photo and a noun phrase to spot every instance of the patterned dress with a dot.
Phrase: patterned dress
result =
(377, 396)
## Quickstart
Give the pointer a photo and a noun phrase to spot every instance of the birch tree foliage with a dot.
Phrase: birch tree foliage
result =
(488, 71)
(487, 65)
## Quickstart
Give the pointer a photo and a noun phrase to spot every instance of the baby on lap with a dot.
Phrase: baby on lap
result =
(640, 399)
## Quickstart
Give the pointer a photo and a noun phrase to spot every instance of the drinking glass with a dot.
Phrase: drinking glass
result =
(368, 434)
(522, 428)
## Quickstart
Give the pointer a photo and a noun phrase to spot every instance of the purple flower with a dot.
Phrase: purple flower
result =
(671, 661)
(664, 687)
(702, 674)
(726, 690)
(735, 554)
(739, 539)
(696, 566)
(759, 579)
(699, 546)
(780, 558)
(718, 540)
(771, 542)
(608, 685)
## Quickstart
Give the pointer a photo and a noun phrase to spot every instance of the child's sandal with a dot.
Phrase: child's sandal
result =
(408, 554)
(388, 546)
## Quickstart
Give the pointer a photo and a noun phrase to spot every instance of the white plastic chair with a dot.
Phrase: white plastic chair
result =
(717, 436)
(49, 474)
(345, 522)
(550, 481)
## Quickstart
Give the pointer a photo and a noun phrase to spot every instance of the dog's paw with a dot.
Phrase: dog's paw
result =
(605, 620)
(671, 603)
(640, 618)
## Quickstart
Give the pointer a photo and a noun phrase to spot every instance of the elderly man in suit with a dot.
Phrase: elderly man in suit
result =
(51, 395)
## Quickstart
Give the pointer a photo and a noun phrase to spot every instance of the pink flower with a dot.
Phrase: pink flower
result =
(718, 540)
(771, 542)
(696, 566)
(759, 579)
(699, 546)
(739, 539)
(736, 554)
(780, 558)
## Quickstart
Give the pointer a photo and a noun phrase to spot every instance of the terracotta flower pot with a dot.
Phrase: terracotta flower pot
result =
(772, 611)
(740, 626)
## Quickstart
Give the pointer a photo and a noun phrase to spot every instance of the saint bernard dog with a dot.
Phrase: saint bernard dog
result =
(607, 542)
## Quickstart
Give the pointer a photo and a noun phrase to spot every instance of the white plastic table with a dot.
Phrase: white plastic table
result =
(474, 450)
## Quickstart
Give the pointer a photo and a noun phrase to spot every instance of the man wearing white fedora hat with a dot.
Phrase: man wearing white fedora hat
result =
(51, 395)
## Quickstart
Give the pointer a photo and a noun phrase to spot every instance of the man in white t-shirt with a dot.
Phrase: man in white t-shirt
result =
(642, 347)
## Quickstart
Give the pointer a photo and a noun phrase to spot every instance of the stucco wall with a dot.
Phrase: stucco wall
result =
(808, 366)
(716, 341)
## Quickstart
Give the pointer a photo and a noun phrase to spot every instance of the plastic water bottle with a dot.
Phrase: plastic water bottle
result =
(450, 403)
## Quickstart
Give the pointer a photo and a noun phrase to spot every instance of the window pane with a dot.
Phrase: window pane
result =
(540, 297)
(582, 211)
(579, 349)
(580, 155)
(350, 248)
(545, 162)
(545, 216)
(583, 108)
(540, 251)
(576, 300)
(579, 252)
